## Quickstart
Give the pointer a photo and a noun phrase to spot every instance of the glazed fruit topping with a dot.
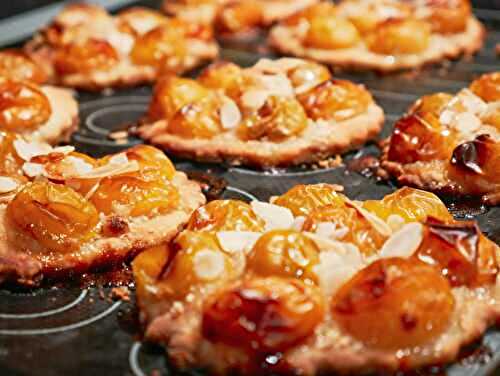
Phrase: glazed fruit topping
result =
(394, 304)
(18, 66)
(241, 16)
(448, 16)
(22, 105)
(487, 87)
(263, 314)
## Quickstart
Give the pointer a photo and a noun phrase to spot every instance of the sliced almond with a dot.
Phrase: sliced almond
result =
(237, 241)
(333, 271)
(64, 149)
(254, 98)
(33, 170)
(395, 222)
(208, 265)
(376, 222)
(404, 242)
(119, 159)
(111, 169)
(471, 101)
(7, 184)
(273, 215)
(230, 115)
(277, 84)
(80, 167)
(298, 222)
(27, 150)
(277, 66)
(325, 229)
(466, 122)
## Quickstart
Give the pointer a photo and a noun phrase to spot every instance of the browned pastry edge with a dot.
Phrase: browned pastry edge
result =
(282, 41)
(360, 129)
(22, 268)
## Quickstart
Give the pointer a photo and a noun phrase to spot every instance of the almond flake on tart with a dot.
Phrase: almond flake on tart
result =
(28, 107)
(275, 113)
(235, 17)
(382, 35)
(65, 213)
(450, 143)
(319, 300)
(85, 47)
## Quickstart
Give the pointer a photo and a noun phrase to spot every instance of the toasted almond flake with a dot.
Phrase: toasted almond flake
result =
(273, 215)
(64, 149)
(404, 242)
(471, 101)
(376, 222)
(119, 159)
(230, 115)
(79, 165)
(466, 122)
(325, 229)
(237, 241)
(208, 265)
(7, 184)
(277, 84)
(277, 66)
(395, 222)
(254, 98)
(27, 150)
(92, 190)
(298, 222)
(446, 117)
(326, 244)
(33, 170)
(111, 169)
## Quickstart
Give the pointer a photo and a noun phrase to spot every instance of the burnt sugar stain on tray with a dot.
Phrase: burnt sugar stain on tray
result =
(71, 330)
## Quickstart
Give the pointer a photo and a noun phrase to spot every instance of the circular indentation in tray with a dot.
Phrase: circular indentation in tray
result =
(233, 193)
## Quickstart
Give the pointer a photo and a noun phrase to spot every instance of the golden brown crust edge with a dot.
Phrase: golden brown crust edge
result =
(25, 269)
(345, 136)
(467, 43)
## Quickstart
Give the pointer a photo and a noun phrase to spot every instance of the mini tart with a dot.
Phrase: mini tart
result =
(40, 112)
(87, 48)
(450, 143)
(276, 113)
(315, 283)
(235, 16)
(63, 213)
(383, 35)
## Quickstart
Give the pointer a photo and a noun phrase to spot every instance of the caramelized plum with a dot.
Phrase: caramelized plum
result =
(399, 37)
(449, 16)
(460, 251)
(487, 87)
(153, 163)
(22, 105)
(285, 253)
(303, 199)
(335, 99)
(394, 303)
(321, 9)
(171, 94)
(410, 204)
(360, 231)
(199, 260)
(330, 33)
(197, 120)
(263, 314)
(239, 16)
(420, 137)
(433, 103)
(18, 66)
(85, 56)
(56, 216)
(308, 75)
(225, 76)
(10, 161)
(225, 215)
(278, 119)
(163, 47)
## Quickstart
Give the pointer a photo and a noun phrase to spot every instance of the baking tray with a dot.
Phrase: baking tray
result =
(70, 330)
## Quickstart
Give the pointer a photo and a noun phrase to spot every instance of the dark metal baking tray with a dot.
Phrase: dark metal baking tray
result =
(73, 331)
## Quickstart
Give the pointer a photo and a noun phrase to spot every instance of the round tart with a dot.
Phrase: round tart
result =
(85, 47)
(63, 213)
(276, 113)
(29, 108)
(450, 143)
(235, 16)
(382, 35)
(314, 283)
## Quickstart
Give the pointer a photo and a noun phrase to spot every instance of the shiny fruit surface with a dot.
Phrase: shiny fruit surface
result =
(461, 252)
(171, 93)
(22, 106)
(56, 216)
(224, 76)
(399, 37)
(10, 161)
(433, 103)
(487, 87)
(239, 17)
(322, 9)
(360, 231)
(410, 204)
(303, 199)
(449, 16)
(330, 33)
(16, 65)
(85, 56)
(263, 314)
(394, 304)
(421, 137)
(225, 215)
(309, 74)
(335, 99)
(153, 163)
(278, 119)
(285, 253)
